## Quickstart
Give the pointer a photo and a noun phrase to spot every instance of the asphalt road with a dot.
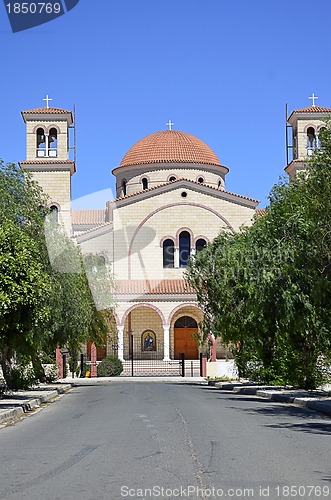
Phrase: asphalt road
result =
(168, 441)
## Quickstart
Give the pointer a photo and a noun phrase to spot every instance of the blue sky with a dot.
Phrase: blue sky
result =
(220, 70)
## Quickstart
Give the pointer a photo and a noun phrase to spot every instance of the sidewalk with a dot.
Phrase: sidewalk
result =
(318, 400)
(16, 403)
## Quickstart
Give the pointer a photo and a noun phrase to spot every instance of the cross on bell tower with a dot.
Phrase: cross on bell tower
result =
(313, 97)
(47, 99)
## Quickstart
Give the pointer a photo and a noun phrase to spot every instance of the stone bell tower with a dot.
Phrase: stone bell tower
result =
(304, 125)
(47, 157)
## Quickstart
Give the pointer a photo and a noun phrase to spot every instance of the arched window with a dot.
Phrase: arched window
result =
(168, 253)
(41, 142)
(200, 180)
(184, 248)
(52, 142)
(311, 140)
(200, 244)
(124, 188)
(144, 182)
(186, 322)
(54, 214)
(172, 178)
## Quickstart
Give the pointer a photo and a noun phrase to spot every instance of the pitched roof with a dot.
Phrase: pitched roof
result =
(153, 287)
(313, 109)
(95, 216)
(170, 146)
(45, 110)
(47, 161)
(309, 110)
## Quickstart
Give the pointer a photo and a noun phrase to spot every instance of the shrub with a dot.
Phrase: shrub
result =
(110, 366)
(51, 372)
(21, 377)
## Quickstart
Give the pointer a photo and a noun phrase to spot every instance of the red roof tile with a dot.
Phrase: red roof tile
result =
(47, 161)
(260, 211)
(95, 216)
(170, 146)
(313, 109)
(153, 287)
(45, 110)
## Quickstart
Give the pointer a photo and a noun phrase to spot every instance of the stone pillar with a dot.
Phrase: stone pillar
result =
(176, 257)
(59, 362)
(120, 331)
(93, 360)
(166, 343)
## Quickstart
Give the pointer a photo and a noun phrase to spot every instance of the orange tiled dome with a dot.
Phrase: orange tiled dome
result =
(169, 146)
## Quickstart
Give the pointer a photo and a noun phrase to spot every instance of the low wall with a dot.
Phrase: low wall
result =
(221, 368)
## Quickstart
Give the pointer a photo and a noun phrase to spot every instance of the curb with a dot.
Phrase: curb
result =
(27, 405)
(319, 401)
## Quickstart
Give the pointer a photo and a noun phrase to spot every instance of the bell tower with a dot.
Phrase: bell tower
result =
(302, 134)
(47, 157)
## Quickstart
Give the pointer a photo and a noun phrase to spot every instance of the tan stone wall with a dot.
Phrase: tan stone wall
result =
(144, 243)
(56, 184)
(102, 245)
(140, 320)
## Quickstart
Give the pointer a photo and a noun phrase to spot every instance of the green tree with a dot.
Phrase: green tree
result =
(267, 289)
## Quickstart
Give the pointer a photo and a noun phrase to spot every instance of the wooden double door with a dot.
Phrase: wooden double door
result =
(185, 332)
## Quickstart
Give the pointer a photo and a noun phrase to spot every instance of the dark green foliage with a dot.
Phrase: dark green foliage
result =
(110, 366)
(45, 295)
(21, 378)
(267, 289)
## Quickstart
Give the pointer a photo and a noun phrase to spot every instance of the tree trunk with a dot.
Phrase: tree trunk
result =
(38, 369)
(6, 364)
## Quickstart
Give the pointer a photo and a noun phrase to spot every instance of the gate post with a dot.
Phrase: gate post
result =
(203, 365)
(131, 344)
(59, 362)
(182, 358)
(93, 360)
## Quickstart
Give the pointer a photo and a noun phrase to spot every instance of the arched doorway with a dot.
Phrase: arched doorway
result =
(185, 331)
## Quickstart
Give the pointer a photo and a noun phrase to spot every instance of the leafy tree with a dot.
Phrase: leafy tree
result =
(267, 289)
(45, 296)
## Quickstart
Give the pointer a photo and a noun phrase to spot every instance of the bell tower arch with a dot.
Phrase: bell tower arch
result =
(47, 156)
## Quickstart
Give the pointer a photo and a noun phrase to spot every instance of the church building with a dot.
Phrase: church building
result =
(171, 200)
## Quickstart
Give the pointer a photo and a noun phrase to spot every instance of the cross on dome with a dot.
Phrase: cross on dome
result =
(170, 124)
(313, 97)
(47, 99)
